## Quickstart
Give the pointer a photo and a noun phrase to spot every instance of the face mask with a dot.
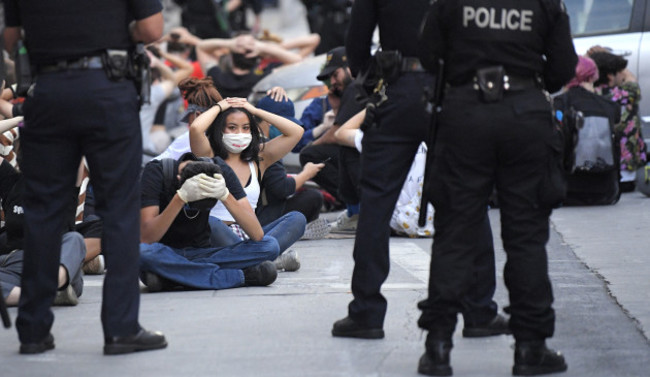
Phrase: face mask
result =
(236, 143)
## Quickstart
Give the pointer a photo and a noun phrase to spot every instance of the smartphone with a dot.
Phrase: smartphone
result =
(325, 160)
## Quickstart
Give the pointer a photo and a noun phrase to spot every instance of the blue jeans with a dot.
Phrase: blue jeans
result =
(286, 230)
(207, 268)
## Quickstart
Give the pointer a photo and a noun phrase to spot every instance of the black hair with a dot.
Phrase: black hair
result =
(215, 136)
(607, 64)
(195, 168)
(242, 62)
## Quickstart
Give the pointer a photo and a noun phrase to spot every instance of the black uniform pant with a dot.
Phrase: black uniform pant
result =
(75, 113)
(387, 155)
(481, 145)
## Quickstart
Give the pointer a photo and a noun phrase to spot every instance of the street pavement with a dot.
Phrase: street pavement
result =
(598, 261)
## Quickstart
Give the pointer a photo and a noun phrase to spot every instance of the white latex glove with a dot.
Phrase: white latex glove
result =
(214, 187)
(191, 189)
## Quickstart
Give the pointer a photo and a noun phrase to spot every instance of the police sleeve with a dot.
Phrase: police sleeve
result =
(561, 58)
(431, 42)
(142, 9)
(12, 16)
(359, 35)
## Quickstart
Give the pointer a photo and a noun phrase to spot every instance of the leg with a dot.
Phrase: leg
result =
(287, 229)
(327, 178)
(220, 234)
(11, 268)
(307, 201)
(73, 251)
(171, 264)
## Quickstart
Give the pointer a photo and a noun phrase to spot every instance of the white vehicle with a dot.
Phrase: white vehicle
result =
(621, 26)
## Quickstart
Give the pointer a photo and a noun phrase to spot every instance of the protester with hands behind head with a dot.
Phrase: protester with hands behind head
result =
(230, 130)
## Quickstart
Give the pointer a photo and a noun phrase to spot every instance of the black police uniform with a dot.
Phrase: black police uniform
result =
(388, 152)
(501, 141)
(75, 110)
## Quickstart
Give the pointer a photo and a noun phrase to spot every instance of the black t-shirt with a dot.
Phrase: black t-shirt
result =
(68, 29)
(11, 193)
(352, 102)
(190, 227)
(231, 85)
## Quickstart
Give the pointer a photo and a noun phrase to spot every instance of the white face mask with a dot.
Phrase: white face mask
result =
(236, 143)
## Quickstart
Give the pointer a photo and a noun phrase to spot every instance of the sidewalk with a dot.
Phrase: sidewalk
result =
(284, 330)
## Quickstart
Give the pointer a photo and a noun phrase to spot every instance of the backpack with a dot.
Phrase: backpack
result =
(593, 171)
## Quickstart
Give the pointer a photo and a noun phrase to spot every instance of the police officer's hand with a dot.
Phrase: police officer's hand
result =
(190, 191)
(214, 187)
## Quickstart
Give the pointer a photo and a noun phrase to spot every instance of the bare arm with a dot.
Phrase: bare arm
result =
(308, 172)
(184, 70)
(153, 224)
(148, 29)
(345, 134)
(199, 143)
(279, 146)
(11, 35)
(7, 124)
(305, 44)
(244, 215)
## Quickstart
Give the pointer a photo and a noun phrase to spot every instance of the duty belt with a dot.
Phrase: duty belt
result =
(87, 62)
(514, 83)
(411, 64)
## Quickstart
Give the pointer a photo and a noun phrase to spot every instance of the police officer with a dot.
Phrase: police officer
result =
(74, 109)
(389, 148)
(495, 131)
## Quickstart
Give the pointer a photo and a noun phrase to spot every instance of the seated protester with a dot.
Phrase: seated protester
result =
(230, 130)
(72, 253)
(176, 248)
(243, 73)
(595, 172)
(404, 220)
(618, 84)
(164, 82)
(282, 194)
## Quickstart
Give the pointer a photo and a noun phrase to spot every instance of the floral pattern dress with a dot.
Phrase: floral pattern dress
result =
(633, 149)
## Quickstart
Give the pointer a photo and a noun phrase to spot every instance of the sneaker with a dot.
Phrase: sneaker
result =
(153, 282)
(316, 230)
(260, 275)
(66, 297)
(345, 224)
(94, 266)
(288, 261)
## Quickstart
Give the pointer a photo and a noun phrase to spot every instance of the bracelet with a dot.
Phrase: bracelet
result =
(220, 108)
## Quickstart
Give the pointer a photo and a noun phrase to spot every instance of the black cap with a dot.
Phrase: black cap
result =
(336, 59)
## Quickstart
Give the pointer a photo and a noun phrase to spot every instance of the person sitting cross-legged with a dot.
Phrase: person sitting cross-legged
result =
(176, 249)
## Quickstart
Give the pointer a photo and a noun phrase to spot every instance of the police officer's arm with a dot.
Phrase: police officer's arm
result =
(148, 29)
(561, 58)
(359, 40)
(431, 44)
(244, 215)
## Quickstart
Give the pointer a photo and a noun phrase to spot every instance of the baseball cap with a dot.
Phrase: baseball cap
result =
(284, 108)
(335, 59)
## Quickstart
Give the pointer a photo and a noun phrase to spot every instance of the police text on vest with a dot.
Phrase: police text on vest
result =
(491, 18)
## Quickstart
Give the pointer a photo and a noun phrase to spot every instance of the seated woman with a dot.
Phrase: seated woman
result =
(230, 130)
(175, 233)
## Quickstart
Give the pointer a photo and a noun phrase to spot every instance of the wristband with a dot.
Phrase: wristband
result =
(220, 108)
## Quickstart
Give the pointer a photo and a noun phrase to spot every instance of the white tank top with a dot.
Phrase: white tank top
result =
(252, 193)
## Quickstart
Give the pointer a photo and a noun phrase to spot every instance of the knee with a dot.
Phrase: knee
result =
(271, 247)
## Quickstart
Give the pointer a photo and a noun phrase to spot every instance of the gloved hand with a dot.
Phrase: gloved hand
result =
(214, 187)
(191, 189)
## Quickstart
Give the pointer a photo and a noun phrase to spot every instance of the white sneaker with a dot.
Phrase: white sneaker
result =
(345, 224)
(66, 297)
(287, 261)
(94, 266)
(316, 230)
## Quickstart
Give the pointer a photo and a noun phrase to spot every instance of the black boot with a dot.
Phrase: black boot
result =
(533, 358)
(435, 361)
